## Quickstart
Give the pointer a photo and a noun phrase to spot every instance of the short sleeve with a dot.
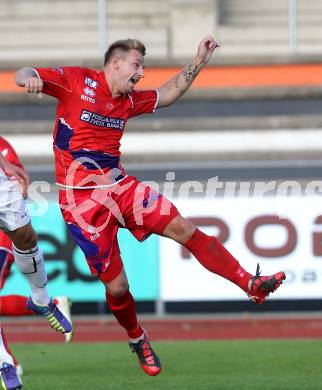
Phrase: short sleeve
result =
(143, 102)
(57, 80)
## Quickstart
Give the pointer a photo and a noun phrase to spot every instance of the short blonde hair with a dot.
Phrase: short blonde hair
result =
(124, 45)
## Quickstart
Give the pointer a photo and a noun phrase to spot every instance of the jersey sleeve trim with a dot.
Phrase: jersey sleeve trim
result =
(156, 100)
(130, 97)
(58, 85)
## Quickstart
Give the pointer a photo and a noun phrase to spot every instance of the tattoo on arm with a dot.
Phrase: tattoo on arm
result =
(179, 84)
(190, 72)
(173, 83)
(176, 82)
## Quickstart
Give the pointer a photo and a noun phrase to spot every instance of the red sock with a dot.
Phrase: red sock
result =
(14, 305)
(214, 256)
(124, 311)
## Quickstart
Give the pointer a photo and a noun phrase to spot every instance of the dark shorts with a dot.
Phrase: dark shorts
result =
(94, 216)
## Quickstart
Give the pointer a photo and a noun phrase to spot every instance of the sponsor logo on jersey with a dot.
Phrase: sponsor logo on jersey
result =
(88, 99)
(102, 121)
(91, 82)
(89, 92)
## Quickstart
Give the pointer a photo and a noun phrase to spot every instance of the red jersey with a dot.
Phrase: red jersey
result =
(9, 153)
(90, 124)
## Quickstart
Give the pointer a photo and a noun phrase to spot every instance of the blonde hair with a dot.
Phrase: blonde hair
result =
(124, 45)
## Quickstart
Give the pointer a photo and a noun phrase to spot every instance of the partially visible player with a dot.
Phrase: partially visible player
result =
(16, 305)
(98, 197)
(15, 221)
(10, 379)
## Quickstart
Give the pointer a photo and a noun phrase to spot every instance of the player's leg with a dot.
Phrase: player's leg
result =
(16, 305)
(15, 220)
(9, 377)
(149, 212)
(122, 305)
(210, 252)
(10, 305)
(30, 261)
(95, 233)
(141, 207)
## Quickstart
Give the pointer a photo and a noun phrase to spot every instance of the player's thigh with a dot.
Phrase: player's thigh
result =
(114, 277)
(146, 211)
(93, 229)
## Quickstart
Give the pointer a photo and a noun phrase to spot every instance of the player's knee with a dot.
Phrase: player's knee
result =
(24, 238)
(118, 290)
(179, 229)
(119, 286)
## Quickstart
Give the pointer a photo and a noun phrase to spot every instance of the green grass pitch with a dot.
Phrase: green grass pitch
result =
(187, 365)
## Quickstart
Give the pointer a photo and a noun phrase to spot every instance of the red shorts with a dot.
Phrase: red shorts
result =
(6, 258)
(94, 216)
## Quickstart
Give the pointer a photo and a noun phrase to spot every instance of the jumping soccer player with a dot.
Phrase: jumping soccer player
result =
(15, 221)
(16, 305)
(97, 197)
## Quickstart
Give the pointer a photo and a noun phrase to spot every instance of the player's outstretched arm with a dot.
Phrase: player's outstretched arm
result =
(178, 85)
(28, 78)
